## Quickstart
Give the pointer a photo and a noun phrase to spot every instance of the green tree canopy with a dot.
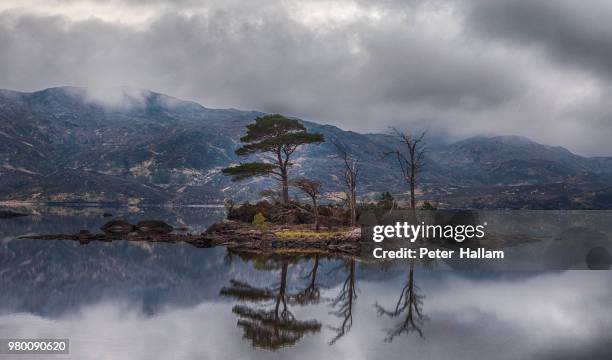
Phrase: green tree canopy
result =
(247, 170)
(277, 138)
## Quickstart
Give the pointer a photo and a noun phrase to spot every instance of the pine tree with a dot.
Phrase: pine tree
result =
(277, 138)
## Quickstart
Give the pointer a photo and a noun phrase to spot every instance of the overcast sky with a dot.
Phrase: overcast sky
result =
(536, 68)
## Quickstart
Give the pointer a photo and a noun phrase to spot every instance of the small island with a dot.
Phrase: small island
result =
(310, 220)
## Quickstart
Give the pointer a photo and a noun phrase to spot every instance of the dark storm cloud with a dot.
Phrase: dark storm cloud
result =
(442, 77)
(574, 32)
(360, 65)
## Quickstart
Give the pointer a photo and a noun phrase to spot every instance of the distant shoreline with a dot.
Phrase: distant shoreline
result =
(11, 203)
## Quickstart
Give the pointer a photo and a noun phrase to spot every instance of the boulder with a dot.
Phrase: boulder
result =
(153, 227)
(117, 227)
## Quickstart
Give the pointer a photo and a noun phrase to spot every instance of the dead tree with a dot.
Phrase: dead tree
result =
(312, 293)
(411, 159)
(350, 175)
(312, 188)
(409, 305)
(345, 302)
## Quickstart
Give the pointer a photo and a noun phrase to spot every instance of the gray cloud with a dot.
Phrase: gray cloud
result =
(577, 33)
(459, 70)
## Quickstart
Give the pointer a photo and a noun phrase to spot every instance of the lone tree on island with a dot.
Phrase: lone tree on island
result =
(276, 138)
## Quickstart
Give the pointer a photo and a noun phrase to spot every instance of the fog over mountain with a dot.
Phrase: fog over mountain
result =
(59, 145)
(459, 68)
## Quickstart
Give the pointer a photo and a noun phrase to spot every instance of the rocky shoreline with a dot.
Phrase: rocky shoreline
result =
(9, 214)
(234, 235)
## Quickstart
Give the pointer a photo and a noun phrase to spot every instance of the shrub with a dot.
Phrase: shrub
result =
(386, 200)
(288, 214)
(260, 221)
(428, 206)
(246, 212)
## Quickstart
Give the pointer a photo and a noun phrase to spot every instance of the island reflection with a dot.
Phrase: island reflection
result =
(128, 300)
(275, 327)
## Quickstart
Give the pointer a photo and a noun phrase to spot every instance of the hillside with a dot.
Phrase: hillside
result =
(55, 145)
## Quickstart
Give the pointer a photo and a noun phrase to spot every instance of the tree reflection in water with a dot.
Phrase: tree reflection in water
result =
(409, 305)
(345, 302)
(272, 325)
(311, 294)
(271, 328)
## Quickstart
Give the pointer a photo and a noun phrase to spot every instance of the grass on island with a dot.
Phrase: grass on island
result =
(308, 234)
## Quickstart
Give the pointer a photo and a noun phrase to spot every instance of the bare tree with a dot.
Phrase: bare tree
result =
(350, 176)
(312, 188)
(345, 302)
(409, 304)
(312, 293)
(411, 159)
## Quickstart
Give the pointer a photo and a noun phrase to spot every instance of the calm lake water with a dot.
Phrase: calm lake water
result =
(125, 300)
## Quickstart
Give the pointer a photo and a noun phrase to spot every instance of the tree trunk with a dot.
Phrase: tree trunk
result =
(353, 205)
(316, 213)
(353, 213)
(353, 194)
(413, 175)
(313, 279)
(285, 185)
(412, 200)
(281, 291)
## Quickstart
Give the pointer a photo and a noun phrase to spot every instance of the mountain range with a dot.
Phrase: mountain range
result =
(58, 145)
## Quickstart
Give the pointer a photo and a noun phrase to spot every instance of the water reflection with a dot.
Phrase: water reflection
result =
(344, 302)
(312, 293)
(126, 300)
(272, 326)
(409, 306)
